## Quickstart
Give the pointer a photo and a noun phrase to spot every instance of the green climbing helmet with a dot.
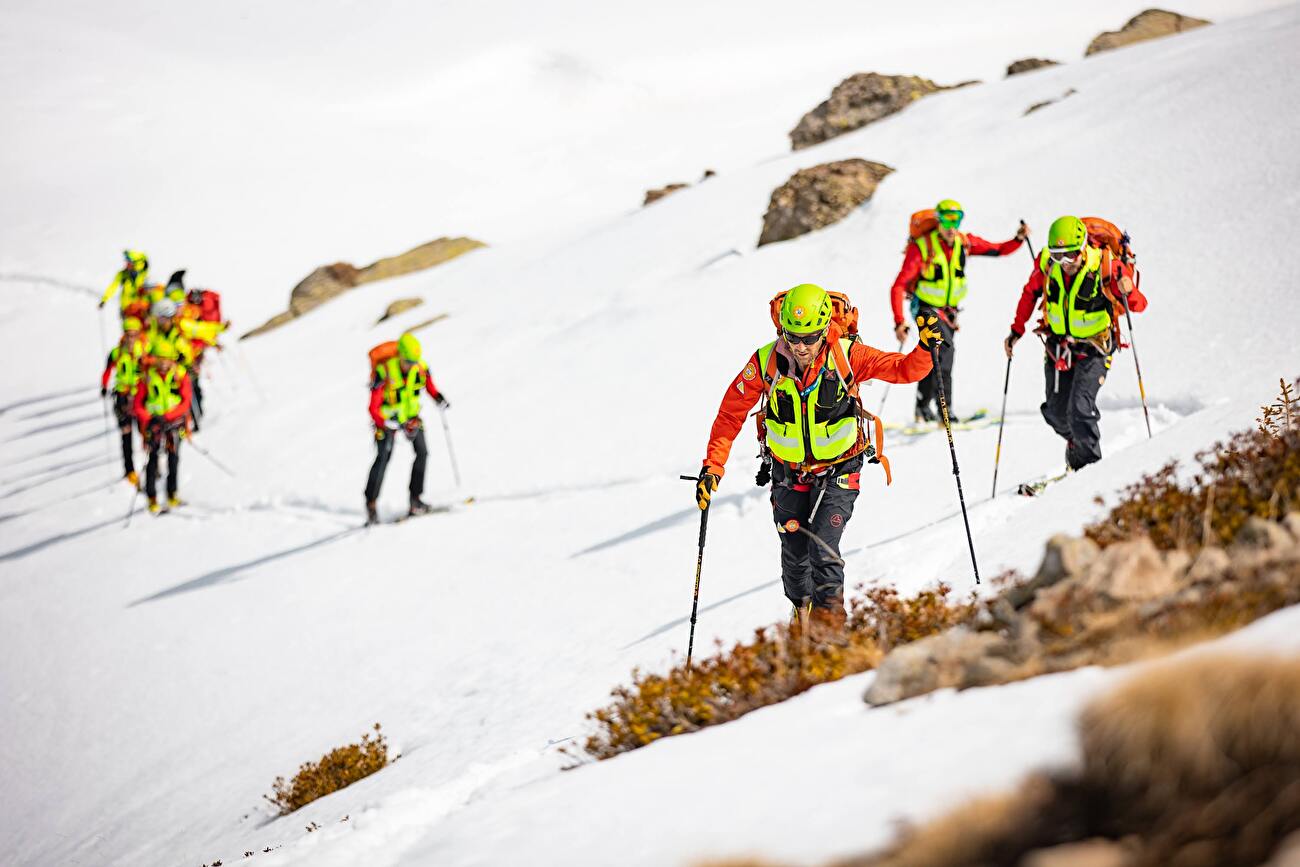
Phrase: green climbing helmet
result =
(408, 347)
(132, 323)
(1067, 234)
(949, 213)
(806, 309)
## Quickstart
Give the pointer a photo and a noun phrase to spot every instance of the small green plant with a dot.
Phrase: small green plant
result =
(336, 769)
(1255, 474)
(772, 666)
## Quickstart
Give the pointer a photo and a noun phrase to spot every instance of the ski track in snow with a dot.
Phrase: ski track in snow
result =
(158, 676)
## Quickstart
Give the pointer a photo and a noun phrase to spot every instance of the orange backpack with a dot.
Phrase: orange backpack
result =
(382, 353)
(923, 223)
(1104, 235)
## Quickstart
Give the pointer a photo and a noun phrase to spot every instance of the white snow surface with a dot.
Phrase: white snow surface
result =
(156, 678)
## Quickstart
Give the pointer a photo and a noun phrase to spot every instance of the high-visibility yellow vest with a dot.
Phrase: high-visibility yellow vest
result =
(126, 366)
(401, 391)
(1081, 310)
(130, 285)
(164, 393)
(817, 424)
(155, 340)
(943, 279)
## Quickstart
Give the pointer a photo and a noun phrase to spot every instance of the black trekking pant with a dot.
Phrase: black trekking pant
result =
(927, 390)
(158, 440)
(809, 571)
(384, 450)
(1071, 404)
(125, 424)
(196, 403)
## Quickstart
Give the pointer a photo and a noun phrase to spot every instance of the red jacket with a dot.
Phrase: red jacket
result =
(866, 362)
(1033, 292)
(911, 270)
(377, 395)
(176, 413)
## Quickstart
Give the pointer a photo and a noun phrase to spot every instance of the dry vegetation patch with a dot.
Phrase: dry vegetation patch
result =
(336, 769)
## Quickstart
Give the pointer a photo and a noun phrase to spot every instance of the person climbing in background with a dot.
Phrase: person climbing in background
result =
(398, 376)
(175, 288)
(162, 404)
(1082, 282)
(199, 320)
(807, 381)
(934, 275)
(165, 330)
(123, 367)
(133, 276)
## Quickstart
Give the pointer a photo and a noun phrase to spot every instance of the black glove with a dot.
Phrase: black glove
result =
(927, 331)
(442, 401)
(704, 488)
(764, 474)
(103, 391)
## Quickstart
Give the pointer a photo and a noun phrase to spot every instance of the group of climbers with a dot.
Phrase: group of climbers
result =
(812, 426)
(153, 370)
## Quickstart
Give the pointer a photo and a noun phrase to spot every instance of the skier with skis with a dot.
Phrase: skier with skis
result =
(808, 381)
(162, 403)
(934, 275)
(398, 377)
(123, 366)
(130, 280)
(1083, 286)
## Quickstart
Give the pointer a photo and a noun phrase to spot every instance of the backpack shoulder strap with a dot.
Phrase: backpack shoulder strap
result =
(840, 357)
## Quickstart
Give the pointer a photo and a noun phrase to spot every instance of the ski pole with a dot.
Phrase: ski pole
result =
(952, 448)
(451, 452)
(131, 509)
(1029, 244)
(699, 568)
(997, 458)
(885, 396)
(218, 464)
(103, 351)
(1128, 315)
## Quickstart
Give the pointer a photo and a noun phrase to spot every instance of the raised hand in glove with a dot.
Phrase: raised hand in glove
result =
(1023, 232)
(927, 331)
(1010, 343)
(704, 488)
(764, 474)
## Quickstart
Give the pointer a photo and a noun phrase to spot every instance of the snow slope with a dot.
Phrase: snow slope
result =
(158, 678)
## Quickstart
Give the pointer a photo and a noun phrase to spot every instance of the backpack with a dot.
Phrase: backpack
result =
(923, 223)
(1107, 237)
(844, 320)
(382, 353)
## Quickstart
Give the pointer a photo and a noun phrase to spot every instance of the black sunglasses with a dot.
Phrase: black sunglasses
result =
(805, 339)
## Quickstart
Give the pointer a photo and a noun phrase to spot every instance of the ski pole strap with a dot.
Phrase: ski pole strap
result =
(879, 442)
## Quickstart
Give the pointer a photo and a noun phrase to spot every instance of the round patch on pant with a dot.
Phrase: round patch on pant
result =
(837, 520)
(792, 526)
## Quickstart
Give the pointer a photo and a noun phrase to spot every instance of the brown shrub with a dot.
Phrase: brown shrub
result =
(769, 668)
(1255, 474)
(336, 769)
(1191, 763)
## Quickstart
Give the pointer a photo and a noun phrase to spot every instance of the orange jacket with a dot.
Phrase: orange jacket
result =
(866, 362)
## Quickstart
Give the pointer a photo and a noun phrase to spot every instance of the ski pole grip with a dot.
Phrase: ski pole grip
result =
(689, 478)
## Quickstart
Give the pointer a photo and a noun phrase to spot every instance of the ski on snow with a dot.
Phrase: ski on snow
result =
(1036, 487)
(978, 420)
(440, 509)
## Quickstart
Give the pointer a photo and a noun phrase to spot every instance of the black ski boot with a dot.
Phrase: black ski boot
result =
(418, 507)
(372, 513)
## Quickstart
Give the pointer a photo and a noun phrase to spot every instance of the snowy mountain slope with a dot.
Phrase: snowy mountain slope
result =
(252, 142)
(158, 678)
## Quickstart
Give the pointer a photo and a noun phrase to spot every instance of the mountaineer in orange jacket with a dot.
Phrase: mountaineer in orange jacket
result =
(1080, 286)
(812, 430)
(934, 274)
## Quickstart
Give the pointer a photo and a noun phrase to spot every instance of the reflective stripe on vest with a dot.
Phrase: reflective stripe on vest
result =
(1081, 311)
(401, 393)
(164, 392)
(943, 280)
(794, 433)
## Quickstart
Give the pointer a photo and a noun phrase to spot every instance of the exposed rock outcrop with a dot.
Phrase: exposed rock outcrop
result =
(330, 281)
(1151, 24)
(401, 305)
(1029, 64)
(859, 100)
(819, 196)
(652, 196)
